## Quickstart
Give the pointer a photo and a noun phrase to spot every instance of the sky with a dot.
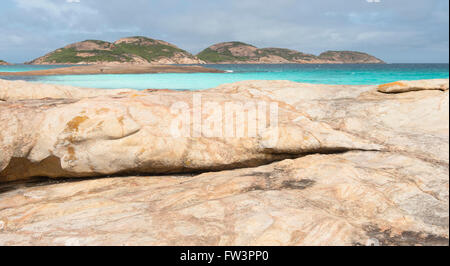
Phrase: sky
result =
(397, 31)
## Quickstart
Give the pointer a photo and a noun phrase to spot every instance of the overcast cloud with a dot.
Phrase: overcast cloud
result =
(393, 30)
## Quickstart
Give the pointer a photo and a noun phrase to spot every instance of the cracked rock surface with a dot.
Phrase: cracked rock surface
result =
(352, 165)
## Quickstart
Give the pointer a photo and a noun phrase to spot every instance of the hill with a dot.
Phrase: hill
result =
(3, 63)
(238, 53)
(138, 50)
(349, 57)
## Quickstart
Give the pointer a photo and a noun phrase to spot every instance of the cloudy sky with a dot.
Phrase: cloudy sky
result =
(395, 30)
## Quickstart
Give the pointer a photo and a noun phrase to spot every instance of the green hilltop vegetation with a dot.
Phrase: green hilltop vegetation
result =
(70, 55)
(131, 49)
(287, 54)
(150, 49)
(3, 62)
(238, 52)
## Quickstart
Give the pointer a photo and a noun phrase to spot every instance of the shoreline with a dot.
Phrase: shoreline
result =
(114, 69)
(11, 90)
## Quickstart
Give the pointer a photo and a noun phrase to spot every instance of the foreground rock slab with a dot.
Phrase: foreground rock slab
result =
(132, 133)
(22, 90)
(356, 198)
(351, 165)
(416, 85)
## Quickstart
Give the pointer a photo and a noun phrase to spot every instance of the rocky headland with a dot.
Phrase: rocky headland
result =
(131, 50)
(352, 165)
(4, 63)
(242, 53)
(143, 50)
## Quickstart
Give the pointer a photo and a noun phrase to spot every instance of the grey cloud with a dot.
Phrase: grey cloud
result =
(397, 31)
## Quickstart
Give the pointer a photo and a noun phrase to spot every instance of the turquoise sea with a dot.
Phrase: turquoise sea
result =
(319, 74)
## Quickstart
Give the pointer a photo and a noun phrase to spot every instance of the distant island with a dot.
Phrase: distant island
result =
(143, 50)
(4, 63)
(241, 53)
(137, 50)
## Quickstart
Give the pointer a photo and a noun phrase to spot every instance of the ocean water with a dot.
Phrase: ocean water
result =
(317, 73)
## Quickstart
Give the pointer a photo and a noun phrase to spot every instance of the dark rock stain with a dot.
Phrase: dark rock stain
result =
(298, 184)
(406, 238)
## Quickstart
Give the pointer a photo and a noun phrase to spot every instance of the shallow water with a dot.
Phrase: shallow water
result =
(319, 74)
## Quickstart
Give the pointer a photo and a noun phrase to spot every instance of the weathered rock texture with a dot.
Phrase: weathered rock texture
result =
(131, 133)
(352, 166)
(21, 90)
